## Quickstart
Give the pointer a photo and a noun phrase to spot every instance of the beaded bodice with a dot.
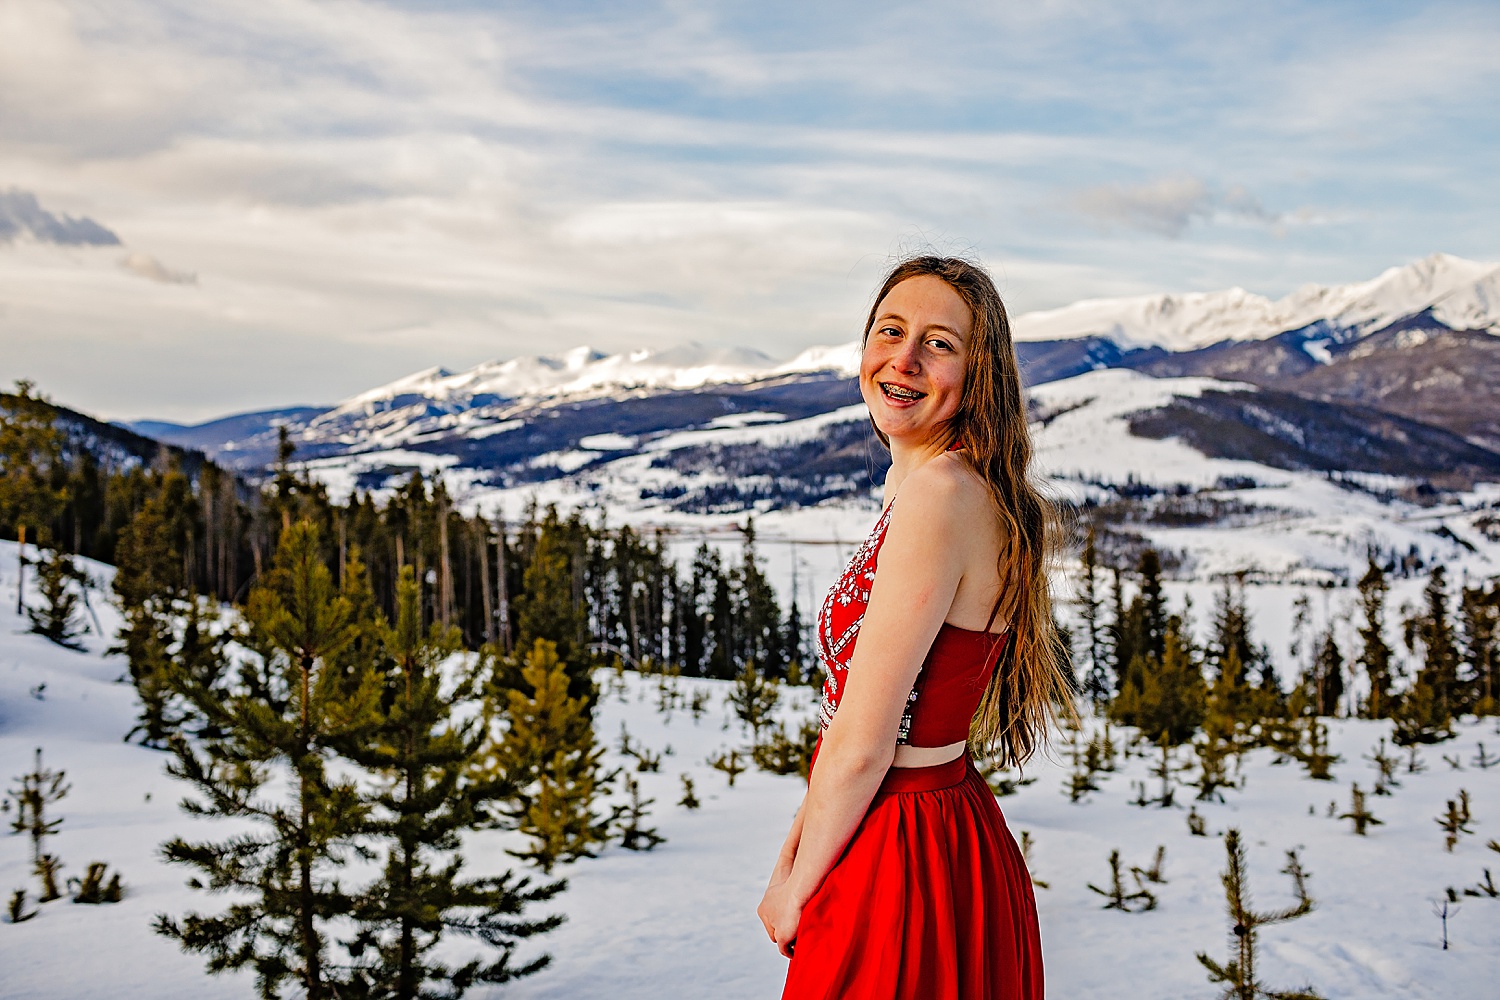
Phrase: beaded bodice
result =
(952, 678)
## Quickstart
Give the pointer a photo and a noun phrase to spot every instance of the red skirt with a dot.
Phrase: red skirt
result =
(931, 899)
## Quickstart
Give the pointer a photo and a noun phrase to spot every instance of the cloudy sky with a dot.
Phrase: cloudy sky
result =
(209, 206)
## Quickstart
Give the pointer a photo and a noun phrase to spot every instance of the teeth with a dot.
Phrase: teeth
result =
(900, 393)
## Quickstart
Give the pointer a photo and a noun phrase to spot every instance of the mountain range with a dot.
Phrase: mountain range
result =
(1396, 376)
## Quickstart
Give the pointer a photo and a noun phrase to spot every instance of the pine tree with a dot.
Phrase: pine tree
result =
(93, 889)
(1097, 684)
(16, 912)
(58, 617)
(1151, 604)
(730, 763)
(284, 866)
(548, 754)
(1456, 820)
(1358, 814)
(1432, 630)
(549, 607)
(1328, 674)
(38, 789)
(1479, 627)
(426, 799)
(782, 753)
(1223, 731)
(634, 834)
(1164, 698)
(754, 697)
(1376, 655)
(30, 451)
(760, 632)
(1238, 974)
(149, 586)
(689, 798)
(1118, 898)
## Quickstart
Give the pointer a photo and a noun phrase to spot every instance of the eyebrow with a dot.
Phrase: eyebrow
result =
(934, 326)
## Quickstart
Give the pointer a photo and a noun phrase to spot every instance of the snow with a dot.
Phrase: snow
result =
(606, 442)
(1462, 293)
(581, 370)
(680, 921)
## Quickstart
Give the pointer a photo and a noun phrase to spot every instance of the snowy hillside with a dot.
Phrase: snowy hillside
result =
(680, 921)
(1275, 523)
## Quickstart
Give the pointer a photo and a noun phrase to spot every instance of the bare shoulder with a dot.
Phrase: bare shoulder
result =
(943, 497)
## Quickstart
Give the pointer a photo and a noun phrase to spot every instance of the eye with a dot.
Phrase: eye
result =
(891, 331)
(940, 344)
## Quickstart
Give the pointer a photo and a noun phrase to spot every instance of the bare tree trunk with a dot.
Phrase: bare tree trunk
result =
(501, 588)
(482, 529)
(445, 568)
(21, 570)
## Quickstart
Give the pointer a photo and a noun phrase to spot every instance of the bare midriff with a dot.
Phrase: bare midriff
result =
(909, 756)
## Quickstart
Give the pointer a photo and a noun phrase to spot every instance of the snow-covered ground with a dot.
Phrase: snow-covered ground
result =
(680, 921)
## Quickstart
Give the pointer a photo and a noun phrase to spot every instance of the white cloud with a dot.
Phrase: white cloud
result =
(1163, 206)
(152, 269)
(378, 187)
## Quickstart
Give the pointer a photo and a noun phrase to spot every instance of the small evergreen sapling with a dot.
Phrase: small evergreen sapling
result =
(1238, 973)
(1152, 874)
(1386, 767)
(1358, 814)
(634, 835)
(1118, 898)
(689, 798)
(1456, 820)
(729, 763)
(781, 753)
(1197, 825)
(1026, 843)
(1166, 769)
(1485, 888)
(38, 789)
(93, 889)
(754, 697)
(58, 618)
(1081, 779)
(16, 911)
(1000, 781)
(1315, 757)
(1414, 762)
(47, 868)
(1483, 760)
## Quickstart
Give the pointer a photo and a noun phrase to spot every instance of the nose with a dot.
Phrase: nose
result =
(905, 360)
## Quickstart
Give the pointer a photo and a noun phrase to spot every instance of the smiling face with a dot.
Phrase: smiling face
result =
(911, 371)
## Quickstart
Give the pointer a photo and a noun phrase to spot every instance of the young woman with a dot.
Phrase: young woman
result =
(899, 878)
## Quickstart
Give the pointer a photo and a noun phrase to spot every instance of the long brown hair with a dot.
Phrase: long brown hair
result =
(1030, 682)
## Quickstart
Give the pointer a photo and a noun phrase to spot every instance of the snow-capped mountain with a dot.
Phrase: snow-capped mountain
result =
(584, 371)
(1462, 294)
(1354, 345)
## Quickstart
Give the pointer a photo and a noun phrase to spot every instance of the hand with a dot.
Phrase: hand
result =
(780, 912)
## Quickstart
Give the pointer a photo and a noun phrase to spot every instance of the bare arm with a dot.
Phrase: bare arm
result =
(920, 567)
(788, 849)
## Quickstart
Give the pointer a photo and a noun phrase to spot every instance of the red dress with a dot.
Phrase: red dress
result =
(931, 899)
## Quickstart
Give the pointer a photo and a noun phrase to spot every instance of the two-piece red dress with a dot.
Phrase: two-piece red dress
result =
(931, 898)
